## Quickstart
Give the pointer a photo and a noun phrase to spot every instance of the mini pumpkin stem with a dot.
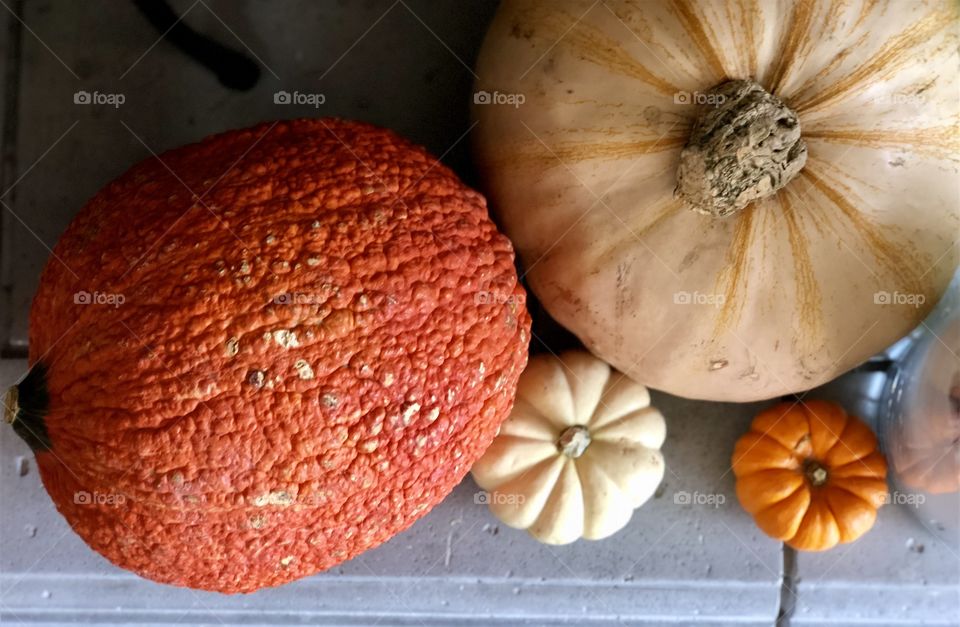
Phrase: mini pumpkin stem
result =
(25, 408)
(744, 146)
(574, 441)
(815, 473)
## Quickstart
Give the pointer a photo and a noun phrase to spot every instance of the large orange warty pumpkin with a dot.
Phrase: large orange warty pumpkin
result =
(254, 357)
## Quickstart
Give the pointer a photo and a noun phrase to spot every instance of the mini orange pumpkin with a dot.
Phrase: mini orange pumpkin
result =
(810, 475)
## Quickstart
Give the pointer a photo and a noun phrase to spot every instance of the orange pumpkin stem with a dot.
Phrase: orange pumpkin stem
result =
(816, 474)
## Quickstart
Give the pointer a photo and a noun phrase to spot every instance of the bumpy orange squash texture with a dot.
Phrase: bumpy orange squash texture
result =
(321, 332)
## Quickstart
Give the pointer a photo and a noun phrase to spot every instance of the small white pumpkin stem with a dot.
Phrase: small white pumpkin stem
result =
(574, 441)
(745, 146)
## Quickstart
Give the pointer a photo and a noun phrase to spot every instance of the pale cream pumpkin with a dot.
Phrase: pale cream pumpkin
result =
(579, 452)
(622, 238)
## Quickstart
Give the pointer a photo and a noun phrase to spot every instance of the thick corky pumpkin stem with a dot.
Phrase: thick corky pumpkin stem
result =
(743, 148)
(574, 441)
(25, 406)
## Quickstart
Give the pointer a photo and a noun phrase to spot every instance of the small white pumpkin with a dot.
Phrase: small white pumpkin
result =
(579, 452)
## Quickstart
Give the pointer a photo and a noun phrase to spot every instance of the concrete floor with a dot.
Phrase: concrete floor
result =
(406, 65)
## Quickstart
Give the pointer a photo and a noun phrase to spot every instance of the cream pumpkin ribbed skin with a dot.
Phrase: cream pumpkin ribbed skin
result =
(579, 452)
(782, 295)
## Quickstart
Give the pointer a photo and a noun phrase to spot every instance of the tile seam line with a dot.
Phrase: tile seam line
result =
(788, 590)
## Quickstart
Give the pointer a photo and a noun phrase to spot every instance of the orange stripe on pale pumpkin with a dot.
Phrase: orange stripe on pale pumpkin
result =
(750, 15)
(631, 234)
(572, 152)
(834, 14)
(700, 34)
(797, 38)
(671, 207)
(895, 56)
(897, 261)
(825, 72)
(590, 44)
(734, 278)
(809, 299)
(866, 9)
(633, 125)
(941, 142)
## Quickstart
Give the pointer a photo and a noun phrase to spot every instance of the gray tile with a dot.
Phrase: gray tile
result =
(897, 573)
